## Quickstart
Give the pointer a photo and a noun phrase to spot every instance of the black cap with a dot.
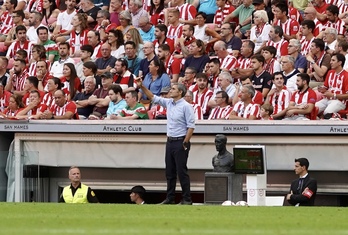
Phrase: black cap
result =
(257, 2)
(107, 75)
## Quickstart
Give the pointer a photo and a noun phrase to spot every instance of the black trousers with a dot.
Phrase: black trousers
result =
(176, 165)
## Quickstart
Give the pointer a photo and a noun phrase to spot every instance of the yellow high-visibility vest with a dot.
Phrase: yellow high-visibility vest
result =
(79, 197)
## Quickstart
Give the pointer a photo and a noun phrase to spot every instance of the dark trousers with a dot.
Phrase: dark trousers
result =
(176, 164)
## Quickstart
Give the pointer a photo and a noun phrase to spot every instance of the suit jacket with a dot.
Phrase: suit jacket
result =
(306, 195)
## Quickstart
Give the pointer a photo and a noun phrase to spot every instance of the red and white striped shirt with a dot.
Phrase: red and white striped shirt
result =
(343, 7)
(67, 107)
(78, 40)
(294, 14)
(307, 97)
(281, 46)
(41, 107)
(229, 62)
(339, 25)
(187, 11)
(306, 45)
(173, 66)
(4, 100)
(222, 13)
(244, 63)
(197, 111)
(337, 83)
(251, 109)
(174, 32)
(168, 41)
(19, 81)
(272, 66)
(202, 99)
(15, 46)
(48, 99)
(6, 22)
(290, 27)
(220, 112)
(280, 101)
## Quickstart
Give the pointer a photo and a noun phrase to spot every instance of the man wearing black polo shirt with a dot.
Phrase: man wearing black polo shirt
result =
(77, 192)
(262, 80)
(81, 98)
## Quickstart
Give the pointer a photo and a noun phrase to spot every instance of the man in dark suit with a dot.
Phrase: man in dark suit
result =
(304, 189)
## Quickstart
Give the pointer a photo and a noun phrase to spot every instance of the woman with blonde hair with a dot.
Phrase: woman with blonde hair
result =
(259, 32)
(134, 35)
(78, 36)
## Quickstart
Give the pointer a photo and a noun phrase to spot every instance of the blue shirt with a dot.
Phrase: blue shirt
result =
(116, 108)
(134, 65)
(208, 6)
(155, 86)
(301, 62)
(148, 36)
(180, 115)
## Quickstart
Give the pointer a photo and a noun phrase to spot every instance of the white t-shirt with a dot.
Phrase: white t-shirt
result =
(64, 20)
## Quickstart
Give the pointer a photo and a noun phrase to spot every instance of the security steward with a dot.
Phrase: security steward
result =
(77, 192)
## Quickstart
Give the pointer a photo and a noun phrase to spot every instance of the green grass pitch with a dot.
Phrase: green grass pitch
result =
(54, 218)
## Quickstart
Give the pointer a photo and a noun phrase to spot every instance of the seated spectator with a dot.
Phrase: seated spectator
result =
(20, 43)
(156, 12)
(160, 112)
(17, 78)
(88, 7)
(71, 84)
(196, 107)
(257, 99)
(228, 62)
(262, 80)
(290, 26)
(63, 26)
(224, 9)
(184, 42)
(222, 109)
(116, 41)
(277, 41)
(81, 98)
(161, 31)
(146, 29)
(133, 60)
(86, 53)
(100, 99)
(133, 110)
(107, 61)
(78, 36)
(266, 112)
(38, 52)
(57, 66)
(302, 102)
(189, 79)
(225, 83)
(289, 72)
(187, 11)
(123, 76)
(90, 70)
(334, 21)
(213, 72)
(4, 75)
(341, 48)
(93, 38)
(7, 18)
(174, 25)
(31, 84)
(117, 103)
(61, 109)
(271, 63)
(104, 25)
(35, 19)
(233, 43)
(197, 58)
(4, 97)
(259, 33)
(246, 108)
(17, 17)
(125, 21)
(115, 9)
(50, 46)
(137, 11)
(308, 27)
(134, 36)
(34, 107)
(171, 64)
(335, 89)
(15, 105)
(278, 97)
(155, 80)
(202, 95)
(149, 52)
(330, 39)
(53, 84)
(50, 13)
(246, 52)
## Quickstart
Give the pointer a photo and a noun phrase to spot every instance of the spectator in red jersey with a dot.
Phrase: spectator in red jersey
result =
(257, 99)
(78, 36)
(302, 102)
(246, 108)
(53, 85)
(14, 107)
(183, 43)
(277, 41)
(187, 11)
(156, 12)
(222, 109)
(18, 75)
(196, 107)
(174, 25)
(71, 84)
(93, 38)
(278, 97)
(20, 43)
(224, 10)
(115, 9)
(7, 18)
(290, 27)
(189, 78)
(123, 76)
(335, 89)
(161, 31)
(4, 97)
(311, 14)
(158, 111)
(61, 109)
(202, 94)
(171, 64)
(228, 62)
(244, 60)
(34, 108)
(271, 63)
(18, 17)
(31, 84)
(306, 35)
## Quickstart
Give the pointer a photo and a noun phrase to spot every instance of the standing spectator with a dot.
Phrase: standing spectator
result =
(304, 189)
(18, 75)
(137, 11)
(57, 66)
(117, 103)
(335, 88)
(116, 41)
(246, 108)
(81, 98)
(88, 7)
(278, 97)
(180, 127)
(222, 109)
(63, 26)
(133, 60)
(77, 192)
(302, 102)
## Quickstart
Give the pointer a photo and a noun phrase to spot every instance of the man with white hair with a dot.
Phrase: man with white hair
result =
(246, 108)
(294, 49)
(137, 11)
(225, 83)
(146, 29)
(330, 39)
(290, 72)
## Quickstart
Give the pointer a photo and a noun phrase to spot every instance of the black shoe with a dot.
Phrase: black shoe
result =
(167, 202)
(328, 116)
(183, 202)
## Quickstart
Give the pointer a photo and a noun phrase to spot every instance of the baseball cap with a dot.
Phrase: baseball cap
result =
(107, 75)
(165, 90)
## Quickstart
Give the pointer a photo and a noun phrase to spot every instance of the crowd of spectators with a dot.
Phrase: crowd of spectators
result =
(239, 59)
